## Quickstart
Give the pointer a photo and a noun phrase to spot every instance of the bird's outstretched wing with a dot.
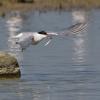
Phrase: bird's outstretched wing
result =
(74, 29)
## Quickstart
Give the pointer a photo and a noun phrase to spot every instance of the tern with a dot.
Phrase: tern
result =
(26, 39)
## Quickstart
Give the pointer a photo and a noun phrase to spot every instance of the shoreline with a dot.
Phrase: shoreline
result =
(48, 5)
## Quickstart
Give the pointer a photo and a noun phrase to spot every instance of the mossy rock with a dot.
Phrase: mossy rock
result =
(9, 67)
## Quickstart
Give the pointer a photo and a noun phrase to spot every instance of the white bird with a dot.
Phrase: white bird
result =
(32, 38)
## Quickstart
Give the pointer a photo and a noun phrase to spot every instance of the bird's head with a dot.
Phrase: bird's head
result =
(48, 35)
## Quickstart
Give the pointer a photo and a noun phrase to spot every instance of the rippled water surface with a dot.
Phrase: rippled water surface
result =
(66, 69)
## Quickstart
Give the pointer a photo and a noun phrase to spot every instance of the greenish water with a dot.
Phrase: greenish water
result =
(68, 68)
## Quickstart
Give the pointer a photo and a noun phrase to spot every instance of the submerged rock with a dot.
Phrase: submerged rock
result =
(9, 67)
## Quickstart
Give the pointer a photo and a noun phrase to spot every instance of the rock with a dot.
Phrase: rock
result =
(9, 67)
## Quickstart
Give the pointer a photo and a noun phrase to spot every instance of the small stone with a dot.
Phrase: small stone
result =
(9, 67)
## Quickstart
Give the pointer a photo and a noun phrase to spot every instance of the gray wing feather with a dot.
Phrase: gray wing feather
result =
(75, 29)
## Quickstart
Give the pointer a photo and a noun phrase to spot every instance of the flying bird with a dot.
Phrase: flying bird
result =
(26, 39)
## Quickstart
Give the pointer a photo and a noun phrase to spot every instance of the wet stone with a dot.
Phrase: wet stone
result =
(9, 67)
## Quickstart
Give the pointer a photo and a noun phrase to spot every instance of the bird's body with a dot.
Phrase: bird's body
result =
(28, 38)
(25, 39)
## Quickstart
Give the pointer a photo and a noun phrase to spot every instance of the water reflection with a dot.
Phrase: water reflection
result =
(33, 92)
(14, 25)
(80, 51)
(79, 16)
(80, 41)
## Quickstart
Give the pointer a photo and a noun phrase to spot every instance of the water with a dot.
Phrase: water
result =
(67, 69)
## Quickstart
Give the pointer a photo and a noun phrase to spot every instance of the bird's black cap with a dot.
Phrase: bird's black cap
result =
(42, 32)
